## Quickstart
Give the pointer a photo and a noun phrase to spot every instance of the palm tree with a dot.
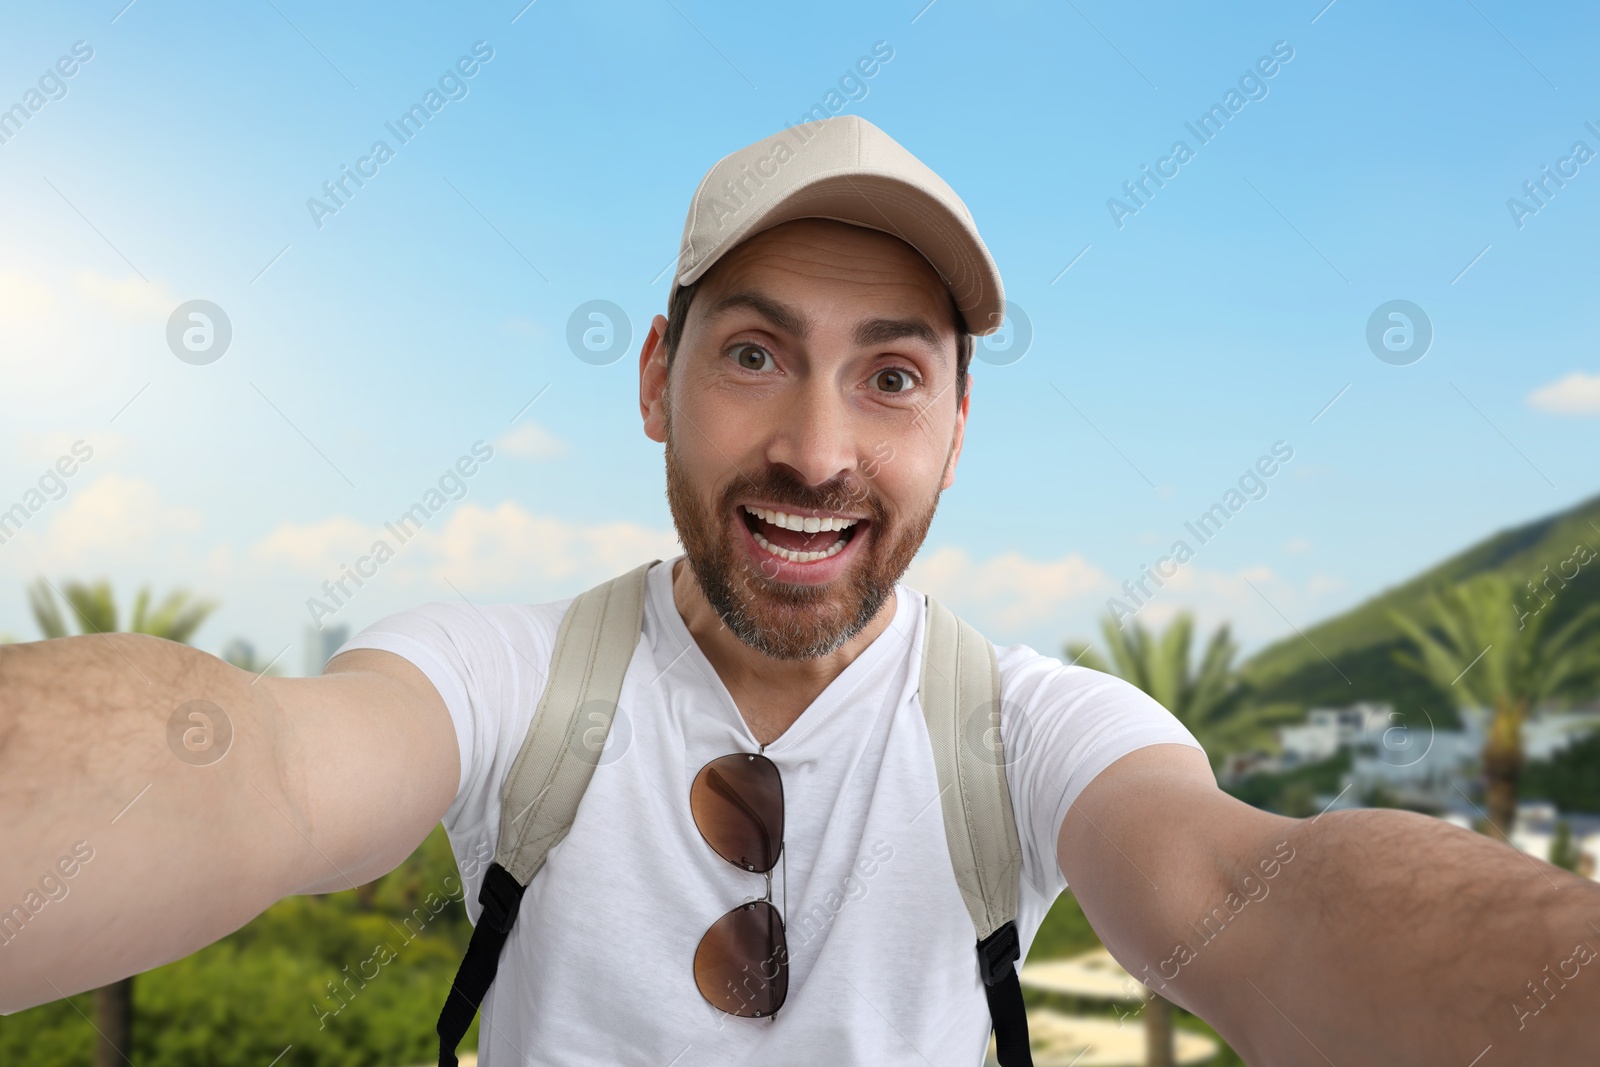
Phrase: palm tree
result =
(1472, 639)
(1208, 699)
(1206, 696)
(95, 611)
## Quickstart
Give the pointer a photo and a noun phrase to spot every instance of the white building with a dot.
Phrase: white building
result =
(1326, 731)
(1414, 762)
(1550, 731)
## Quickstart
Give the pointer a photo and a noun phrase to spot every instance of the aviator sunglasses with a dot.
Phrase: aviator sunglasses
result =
(742, 963)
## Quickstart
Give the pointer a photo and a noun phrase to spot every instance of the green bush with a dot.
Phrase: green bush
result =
(1291, 791)
(349, 979)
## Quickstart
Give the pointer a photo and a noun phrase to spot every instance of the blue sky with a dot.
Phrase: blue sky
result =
(370, 352)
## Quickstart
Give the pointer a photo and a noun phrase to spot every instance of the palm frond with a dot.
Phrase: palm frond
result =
(1572, 654)
(177, 617)
(94, 605)
(1468, 639)
(1083, 654)
(1205, 695)
(141, 608)
(46, 612)
(94, 610)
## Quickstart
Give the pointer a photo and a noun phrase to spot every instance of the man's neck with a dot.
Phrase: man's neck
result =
(770, 693)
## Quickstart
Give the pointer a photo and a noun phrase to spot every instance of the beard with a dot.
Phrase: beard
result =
(781, 619)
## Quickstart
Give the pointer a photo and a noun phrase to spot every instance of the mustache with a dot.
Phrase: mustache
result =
(846, 493)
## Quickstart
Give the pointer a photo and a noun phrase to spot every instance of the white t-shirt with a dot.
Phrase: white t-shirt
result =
(882, 961)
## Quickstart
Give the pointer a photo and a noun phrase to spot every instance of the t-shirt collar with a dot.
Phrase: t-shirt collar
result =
(678, 651)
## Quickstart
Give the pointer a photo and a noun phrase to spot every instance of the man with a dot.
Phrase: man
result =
(810, 387)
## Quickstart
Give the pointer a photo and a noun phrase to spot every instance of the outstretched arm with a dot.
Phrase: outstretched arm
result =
(1357, 937)
(130, 837)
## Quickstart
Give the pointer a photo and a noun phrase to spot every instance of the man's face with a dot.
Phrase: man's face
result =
(814, 385)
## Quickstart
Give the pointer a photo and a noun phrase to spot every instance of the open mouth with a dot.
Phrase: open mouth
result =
(797, 538)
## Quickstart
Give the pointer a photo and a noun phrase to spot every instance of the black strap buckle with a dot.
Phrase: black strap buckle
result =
(999, 950)
(500, 896)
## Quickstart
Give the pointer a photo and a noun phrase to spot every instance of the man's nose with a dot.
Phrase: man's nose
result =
(814, 434)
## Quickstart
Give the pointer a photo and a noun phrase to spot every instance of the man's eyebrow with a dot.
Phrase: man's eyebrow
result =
(883, 331)
(781, 315)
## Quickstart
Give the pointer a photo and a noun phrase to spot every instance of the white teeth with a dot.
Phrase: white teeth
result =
(799, 557)
(802, 523)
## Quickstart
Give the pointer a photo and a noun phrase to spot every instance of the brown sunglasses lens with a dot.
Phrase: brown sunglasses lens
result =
(742, 964)
(737, 802)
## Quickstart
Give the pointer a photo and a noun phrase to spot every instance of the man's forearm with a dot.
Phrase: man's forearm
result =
(1390, 937)
(138, 784)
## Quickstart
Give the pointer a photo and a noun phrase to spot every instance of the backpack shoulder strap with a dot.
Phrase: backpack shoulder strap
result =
(960, 695)
(593, 648)
(594, 645)
(959, 690)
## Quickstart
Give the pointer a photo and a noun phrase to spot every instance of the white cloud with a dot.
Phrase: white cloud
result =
(1576, 394)
(1045, 603)
(485, 549)
(1254, 600)
(318, 547)
(112, 517)
(477, 548)
(1009, 591)
(120, 528)
(531, 441)
(1297, 546)
(116, 528)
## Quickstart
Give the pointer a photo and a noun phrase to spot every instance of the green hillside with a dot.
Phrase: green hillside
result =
(1361, 642)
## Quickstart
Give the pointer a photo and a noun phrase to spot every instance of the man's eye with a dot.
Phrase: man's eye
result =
(752, 357)
(894, 380)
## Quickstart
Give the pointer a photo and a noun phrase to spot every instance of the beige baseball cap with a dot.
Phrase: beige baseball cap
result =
(843, 168)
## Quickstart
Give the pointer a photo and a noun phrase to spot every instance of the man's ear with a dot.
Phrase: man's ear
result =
(653, 380)
(960, 435)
